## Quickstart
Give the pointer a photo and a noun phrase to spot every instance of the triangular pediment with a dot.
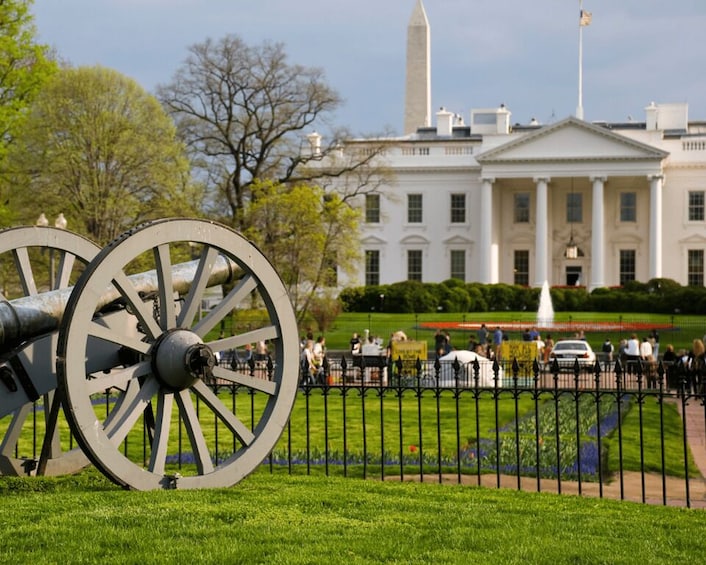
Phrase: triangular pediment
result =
(457, 240)
(373, 240)
(694, 239)
(574, 140)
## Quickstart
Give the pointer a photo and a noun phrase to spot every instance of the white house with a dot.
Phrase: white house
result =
(572, 202)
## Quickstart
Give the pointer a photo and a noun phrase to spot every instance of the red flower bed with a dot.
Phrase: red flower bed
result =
(554, 326)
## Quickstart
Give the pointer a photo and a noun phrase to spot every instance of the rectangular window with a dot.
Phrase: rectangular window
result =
(574, 208)
(522, 208)
(522, 267)
(628, 207)
(696, 267)
(372, 208)
(696, 206)
(458, 208)
(372, 267)
(414, 208)
(414, 265)
(458, 264)
(627, 266)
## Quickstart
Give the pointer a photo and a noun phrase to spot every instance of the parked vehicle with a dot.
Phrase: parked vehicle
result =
(567, 351)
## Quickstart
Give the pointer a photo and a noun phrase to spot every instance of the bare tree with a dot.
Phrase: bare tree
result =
(244, 113)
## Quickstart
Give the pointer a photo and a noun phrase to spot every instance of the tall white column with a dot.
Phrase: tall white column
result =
(655, 226)
(541, 229)
(598, 235)
(486, 229)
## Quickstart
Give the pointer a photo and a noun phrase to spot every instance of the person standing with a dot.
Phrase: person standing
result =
(306, 363)
(654, 340)
(483, 336)
(608, 349)
(319, 354)
(355, 344)
(497, 342)
(648, 362)
(439, 343)
(632, 352)
(548, 346)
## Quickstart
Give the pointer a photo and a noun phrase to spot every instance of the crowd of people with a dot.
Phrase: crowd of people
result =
(687, 365)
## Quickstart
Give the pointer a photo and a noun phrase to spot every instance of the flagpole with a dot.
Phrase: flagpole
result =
(579, 108)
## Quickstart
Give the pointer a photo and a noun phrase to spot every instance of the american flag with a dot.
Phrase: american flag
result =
(585, 18)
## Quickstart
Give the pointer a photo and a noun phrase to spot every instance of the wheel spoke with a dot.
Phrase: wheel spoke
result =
(193, 430)
(240, 430)
(260, 334)
(63, 274)
(12, 434)
(142, 310)
(129, 412)
(263, 385)
(235, 296)
(24, 270)
(117, 378)
(198, 286)
(100, 331)
(167, 308)
(161, 433)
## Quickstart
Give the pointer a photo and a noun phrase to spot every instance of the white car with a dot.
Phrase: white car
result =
(466, 377)
(567, 351)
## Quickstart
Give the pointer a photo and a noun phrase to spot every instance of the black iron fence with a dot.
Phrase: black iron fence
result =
(632, 432)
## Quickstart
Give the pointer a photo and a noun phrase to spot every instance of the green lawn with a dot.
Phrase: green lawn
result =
(683, 329)
(289, 520)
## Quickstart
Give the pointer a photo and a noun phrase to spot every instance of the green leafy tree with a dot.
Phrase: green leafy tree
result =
(247, 115)
(307, 234)
(24, 67)
(100, 149)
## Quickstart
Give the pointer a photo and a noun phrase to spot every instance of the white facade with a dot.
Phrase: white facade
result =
(570, 203)
(636, 193)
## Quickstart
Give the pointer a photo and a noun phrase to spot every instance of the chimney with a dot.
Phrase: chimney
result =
(444, 122)
(314, 143)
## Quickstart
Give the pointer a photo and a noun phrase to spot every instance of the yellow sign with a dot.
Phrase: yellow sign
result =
(409, 351)
(524, 351)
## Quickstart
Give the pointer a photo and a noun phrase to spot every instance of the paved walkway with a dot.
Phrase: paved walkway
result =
(696, 431)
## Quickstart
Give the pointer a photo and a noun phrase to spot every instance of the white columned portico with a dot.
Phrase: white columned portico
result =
(486, 229)
(655, 226)
(598, 235)
(541, 263)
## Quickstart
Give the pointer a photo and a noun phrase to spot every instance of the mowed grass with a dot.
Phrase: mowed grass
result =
(681, 331)
(298, 519)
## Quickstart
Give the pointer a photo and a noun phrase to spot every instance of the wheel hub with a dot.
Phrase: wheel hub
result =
(181, 358)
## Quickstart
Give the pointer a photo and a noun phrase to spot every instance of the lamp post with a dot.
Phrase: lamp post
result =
(43, 222)
(59, 223)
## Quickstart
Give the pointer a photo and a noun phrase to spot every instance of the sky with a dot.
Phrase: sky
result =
(521, 53)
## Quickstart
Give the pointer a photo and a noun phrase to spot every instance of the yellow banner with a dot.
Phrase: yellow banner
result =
(409, 352)
(524, 351)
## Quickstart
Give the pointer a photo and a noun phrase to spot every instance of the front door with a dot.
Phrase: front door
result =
(573, 275)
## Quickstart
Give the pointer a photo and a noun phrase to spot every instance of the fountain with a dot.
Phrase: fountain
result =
(545, 312)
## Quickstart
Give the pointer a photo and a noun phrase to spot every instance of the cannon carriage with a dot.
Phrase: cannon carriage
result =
(118, 339)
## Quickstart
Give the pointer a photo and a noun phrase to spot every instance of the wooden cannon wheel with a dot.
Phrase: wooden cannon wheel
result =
(163, 385)
(37, 259)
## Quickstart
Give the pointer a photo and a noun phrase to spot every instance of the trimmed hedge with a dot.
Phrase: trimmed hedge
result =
(663, 296)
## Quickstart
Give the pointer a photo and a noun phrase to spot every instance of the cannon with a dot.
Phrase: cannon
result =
(118, 339)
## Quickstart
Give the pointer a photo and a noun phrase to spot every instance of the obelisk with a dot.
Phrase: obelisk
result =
(417, 109)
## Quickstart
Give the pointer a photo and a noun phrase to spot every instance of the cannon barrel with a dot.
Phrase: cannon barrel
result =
(29, 317)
